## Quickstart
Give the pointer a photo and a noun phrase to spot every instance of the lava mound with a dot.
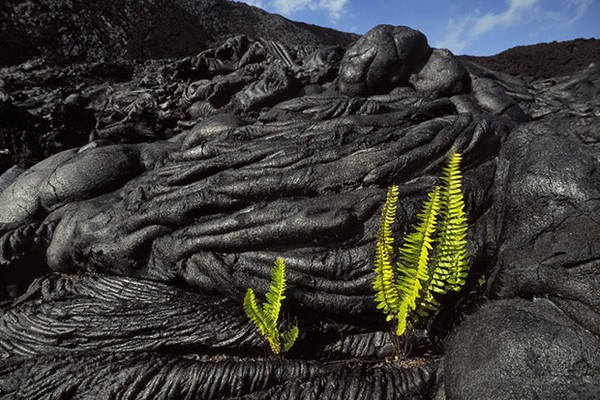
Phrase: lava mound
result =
(163, 189)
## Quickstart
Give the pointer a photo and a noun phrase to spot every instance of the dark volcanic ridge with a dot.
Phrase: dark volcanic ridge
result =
(543, 60)
(103, 30)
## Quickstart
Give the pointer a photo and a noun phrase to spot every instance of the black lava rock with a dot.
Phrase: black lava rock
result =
(140, 197)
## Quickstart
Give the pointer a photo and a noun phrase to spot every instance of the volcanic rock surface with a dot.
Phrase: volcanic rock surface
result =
(165, 188)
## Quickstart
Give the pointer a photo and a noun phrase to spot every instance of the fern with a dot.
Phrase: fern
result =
(452, 257)
(450, 265)
(414, 259)
(408, 291)
(265, 318)
(386, 292)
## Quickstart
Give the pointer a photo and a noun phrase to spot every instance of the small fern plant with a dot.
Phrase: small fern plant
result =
(265, 317)
(432, 260)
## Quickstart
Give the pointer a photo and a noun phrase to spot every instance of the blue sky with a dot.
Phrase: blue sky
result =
(476, 27)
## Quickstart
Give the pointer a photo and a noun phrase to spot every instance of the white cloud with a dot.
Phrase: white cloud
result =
(454, 37)
(517, 10)
(577, 8)
(334, 8)
(255, 3)
(461, 32)
(289, 6)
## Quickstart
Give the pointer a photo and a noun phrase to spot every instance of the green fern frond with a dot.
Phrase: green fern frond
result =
(266, 318)
(256, 315)
(389, 216)
(289, 338)
(451, 264)
(414, 258)
(275, 294)
(386, 293)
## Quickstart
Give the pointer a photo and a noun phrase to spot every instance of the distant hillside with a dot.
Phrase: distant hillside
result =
(544, 60)
(96, 30)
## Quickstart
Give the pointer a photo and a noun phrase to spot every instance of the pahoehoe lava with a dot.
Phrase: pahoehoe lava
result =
(143, 189)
